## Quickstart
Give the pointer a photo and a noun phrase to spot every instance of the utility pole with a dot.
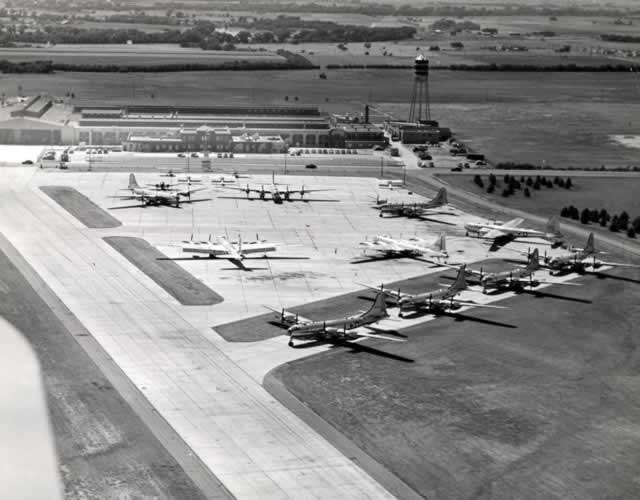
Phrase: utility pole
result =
(381, 166)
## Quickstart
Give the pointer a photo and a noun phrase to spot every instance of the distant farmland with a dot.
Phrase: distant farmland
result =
(131, 54)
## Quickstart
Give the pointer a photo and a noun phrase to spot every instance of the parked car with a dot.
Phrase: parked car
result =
(420, 148)
(311, 165)
(181, 155)
(481, 163)
(27, 162)
(378, 148)
(425, 156)
(457, 169)
(195, 155)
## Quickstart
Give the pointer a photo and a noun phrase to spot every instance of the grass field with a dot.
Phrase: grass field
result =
(561, 118)
(142, 55)
(615, 194)
(81, 207)
(168, 275)
(545, 410)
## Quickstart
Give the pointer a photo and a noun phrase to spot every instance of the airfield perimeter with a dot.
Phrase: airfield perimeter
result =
(207, 389)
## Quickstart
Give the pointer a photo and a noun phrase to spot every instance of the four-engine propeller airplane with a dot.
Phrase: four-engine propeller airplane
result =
(436, 301)
(413, 247)
(168, 195)
(437, 206)
(503, 233)
(278, 192)
(514, 279)
(234, 251)
(339, 331)
(579, 259)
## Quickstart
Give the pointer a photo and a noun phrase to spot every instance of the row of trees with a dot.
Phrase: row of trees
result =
(616, 223)
(511, 184)
(204, 34)
(620, 38)
(388, 9)
(297, 30)
(237, 65)
(613, 68)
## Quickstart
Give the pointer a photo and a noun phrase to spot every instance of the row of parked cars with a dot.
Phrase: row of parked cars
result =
(322, 151)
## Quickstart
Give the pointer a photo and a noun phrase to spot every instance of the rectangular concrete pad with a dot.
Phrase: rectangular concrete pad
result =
(167, 274)
(81, 207)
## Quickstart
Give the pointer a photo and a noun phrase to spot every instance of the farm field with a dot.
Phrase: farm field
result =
(543, 410)
(143, 55)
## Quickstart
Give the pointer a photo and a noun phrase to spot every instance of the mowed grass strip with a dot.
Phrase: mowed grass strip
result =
(547, 409)
(81, 207)
(168, 275)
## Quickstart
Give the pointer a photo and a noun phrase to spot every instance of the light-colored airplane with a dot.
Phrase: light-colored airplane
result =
(390, 183)
(579, 259)
(437, 206)
(412, 247)
(233, 251)
(278, 192)
(335, 330)
(436, 301)
(189, 179)
(502, 233)
(167, 195)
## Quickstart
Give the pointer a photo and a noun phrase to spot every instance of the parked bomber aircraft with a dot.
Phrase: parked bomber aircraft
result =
(578, 259)
(278, 192)
(503, 233)
(233, 251)
(412, 247)
(512, 279)
(170, 195)
(336, 330)
(437, 206)
(437, 301)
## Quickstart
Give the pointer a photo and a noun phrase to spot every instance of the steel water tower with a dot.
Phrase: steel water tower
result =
(420, 97)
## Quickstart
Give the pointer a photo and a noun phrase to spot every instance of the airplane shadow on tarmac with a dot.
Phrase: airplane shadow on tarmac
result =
(603, 276)
(355, 349)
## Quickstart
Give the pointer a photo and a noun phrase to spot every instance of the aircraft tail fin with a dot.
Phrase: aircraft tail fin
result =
(441, 197)
(379, 308)
(553, 226)
(590, 246)
(534, 261)
(461, 280)
(440, 244)
(133, 183)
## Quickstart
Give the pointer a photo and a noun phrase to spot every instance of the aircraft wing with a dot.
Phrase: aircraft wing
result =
(209, 248)
(387, 291)
(288, 318)
(382, 247)
(475, 304)
(612, 264)
(189, 191)
(258, 247)
(381, 337)
(245, 189)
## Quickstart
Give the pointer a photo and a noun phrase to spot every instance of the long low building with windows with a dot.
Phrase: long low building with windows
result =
(146, 127)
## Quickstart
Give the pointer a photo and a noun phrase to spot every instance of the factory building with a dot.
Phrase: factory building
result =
(417, 133)
(220, 128)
